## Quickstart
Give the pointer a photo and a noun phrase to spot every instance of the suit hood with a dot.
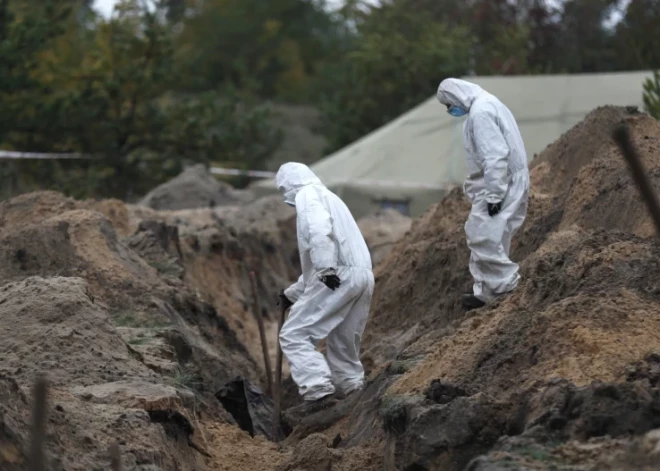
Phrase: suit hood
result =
(458, 92)
(293, 176)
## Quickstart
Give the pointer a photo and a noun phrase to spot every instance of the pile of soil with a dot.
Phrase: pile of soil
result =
(195, 187)
(558, 375)
(100, 392)
(133, 348)
(221, 246)
(140, 315)
(382, 230)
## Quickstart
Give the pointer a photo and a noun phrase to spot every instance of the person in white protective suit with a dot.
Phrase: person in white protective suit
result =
(497, 187)
(331, 299)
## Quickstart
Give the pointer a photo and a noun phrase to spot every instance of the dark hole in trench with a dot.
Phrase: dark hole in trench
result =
(251, 409)
(416, 467)
(175, 424)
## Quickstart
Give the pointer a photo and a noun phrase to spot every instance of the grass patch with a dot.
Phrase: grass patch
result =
(394, 412)
(133, 319)
(538, 454)
(184, 378)
(166, 268)
(140, 341)
(126, 319)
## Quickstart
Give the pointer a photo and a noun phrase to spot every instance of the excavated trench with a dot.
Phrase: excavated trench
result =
(142, 320)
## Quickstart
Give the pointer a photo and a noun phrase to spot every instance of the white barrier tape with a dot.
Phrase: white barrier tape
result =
(8, 154)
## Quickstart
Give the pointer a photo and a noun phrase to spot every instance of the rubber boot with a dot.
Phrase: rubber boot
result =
(469, 302)
(297, 413)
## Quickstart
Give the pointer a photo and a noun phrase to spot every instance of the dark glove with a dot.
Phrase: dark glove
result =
(284, 302)
(331, 281)
(494, 208)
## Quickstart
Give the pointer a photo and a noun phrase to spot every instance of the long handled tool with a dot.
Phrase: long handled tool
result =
(262, 331)
(277, 392)
(624, 141)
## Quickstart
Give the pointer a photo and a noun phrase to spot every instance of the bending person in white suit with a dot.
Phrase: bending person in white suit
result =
(331, 299)
(497, 186)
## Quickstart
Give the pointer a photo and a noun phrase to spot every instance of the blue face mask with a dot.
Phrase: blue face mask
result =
(456, 112)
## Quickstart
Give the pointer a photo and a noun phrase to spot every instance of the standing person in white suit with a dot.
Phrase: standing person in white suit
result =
(497, 187)
(331, 299)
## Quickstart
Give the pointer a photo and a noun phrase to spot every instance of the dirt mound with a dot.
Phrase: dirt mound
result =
(554, 169)
(52, 325)
(220, 247)
(550, 367)
(599, 195)
(149, 341)
(194, 188)
(382, 231)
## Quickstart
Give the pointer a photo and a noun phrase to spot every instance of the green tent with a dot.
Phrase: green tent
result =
(414, 160)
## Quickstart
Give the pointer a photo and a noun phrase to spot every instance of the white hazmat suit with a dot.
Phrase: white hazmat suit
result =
(329, 242)
(497, 172)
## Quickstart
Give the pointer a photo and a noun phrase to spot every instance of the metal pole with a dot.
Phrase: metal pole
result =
(622, 138)
(262, 331)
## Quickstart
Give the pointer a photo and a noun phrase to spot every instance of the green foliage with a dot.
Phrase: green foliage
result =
(269, 48)
(134, 319)
(110, 90)
(187, 379)
(140, 341)
(652, 95)
(638, 36)
(397, 63)
(145, 91)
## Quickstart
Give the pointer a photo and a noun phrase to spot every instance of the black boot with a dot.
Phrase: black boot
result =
(295, 414)
(469, 302)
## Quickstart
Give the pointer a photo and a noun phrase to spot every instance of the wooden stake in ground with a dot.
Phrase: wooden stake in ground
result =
(262, 331)
(38, 445)
(115, 457)
(622, 138)
(277, 393)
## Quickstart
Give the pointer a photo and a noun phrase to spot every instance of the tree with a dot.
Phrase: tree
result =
(586, 45)
(399, 60)
(269, 48)
(638, 35)
(110, 91)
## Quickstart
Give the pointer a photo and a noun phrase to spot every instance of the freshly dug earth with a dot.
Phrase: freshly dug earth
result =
(132, 351)
(221, 246)
(562, 374)
(558, 375)
(100, 392)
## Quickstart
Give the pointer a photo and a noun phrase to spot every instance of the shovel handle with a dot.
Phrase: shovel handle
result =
(277, 390)
(256, 309)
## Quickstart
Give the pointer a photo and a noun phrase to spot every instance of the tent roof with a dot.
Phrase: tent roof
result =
(424, 146)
